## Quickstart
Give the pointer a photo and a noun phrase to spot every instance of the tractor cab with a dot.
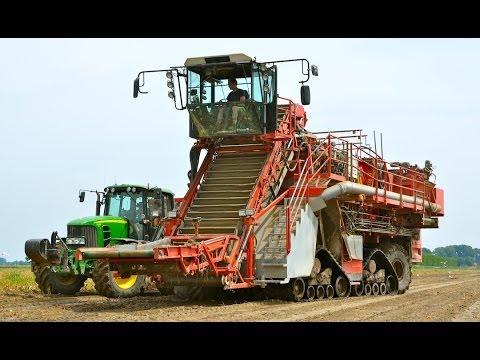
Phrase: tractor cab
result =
(140, 206)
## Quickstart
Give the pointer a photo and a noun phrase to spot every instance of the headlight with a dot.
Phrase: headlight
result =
(249, 212)
(75, 241)
(246, 212)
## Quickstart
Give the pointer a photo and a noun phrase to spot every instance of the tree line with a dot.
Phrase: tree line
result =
(4, 262)
(451, 255)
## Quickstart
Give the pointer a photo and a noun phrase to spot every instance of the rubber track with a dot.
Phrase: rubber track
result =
(389, 267)
(338, 270)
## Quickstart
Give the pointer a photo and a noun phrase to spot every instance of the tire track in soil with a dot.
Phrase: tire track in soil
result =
(411, 306)
(471, 314)
(281, 311)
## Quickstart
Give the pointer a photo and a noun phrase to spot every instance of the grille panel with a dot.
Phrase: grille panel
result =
(90, 233)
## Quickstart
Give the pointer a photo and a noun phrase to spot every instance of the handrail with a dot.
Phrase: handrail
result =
(271, 205)
(407, 181)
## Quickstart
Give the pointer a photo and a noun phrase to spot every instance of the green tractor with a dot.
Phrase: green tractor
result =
(132, 214)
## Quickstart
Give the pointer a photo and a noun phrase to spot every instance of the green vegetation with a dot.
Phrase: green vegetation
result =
(451, 255)
(434, 260)
(21, 278)
(17, 278)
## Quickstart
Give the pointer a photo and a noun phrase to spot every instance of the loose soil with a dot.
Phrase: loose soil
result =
(439, 295)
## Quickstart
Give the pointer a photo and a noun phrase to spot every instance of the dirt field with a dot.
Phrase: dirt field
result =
(440, 295)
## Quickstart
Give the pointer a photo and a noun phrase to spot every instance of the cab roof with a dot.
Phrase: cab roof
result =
(140, 187)
(218, 59)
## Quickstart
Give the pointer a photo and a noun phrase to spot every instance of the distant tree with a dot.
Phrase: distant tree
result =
(434, 260)
(464, 255)
(465, 251)
(426, 251)
(3, 261)
(451, 251)
(17, 262)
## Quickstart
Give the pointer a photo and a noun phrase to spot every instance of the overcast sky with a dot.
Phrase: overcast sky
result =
(68, 120)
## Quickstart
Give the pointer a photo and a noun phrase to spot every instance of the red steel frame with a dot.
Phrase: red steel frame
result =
(315, 161)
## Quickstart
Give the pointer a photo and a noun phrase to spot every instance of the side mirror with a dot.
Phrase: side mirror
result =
(158, 194)
(136, 87)
(81, 196)
(314, 70)
(305, 94)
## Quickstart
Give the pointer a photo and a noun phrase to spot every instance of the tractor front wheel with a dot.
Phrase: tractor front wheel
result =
(43, 280)
(67, 284)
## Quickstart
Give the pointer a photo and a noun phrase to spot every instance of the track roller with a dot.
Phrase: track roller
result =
(297, 288)
(356, 290)
(383, 288)
(341, 286)
(368, 289)
(329, 291)
(310, 293)
(391, 285)
(320, 292)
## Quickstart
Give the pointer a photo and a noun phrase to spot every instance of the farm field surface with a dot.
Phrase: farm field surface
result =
(435, 295)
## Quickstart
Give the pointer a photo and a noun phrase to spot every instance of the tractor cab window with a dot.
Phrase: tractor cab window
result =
(159, 207)
(126, 205)
(113, 205)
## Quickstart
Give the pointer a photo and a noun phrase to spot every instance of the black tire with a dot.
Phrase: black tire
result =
(198, 293)
(67, 284)
(165, 290)
(109, 286)
(42, 278)
(399, 260)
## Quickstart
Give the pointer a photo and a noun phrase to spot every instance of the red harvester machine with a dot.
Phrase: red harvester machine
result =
(274, 207)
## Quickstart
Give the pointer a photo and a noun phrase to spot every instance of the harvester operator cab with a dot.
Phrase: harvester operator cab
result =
(205, 94)
(214, 107)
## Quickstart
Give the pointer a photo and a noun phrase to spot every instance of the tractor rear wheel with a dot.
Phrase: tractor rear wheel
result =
(43, 280)
(109, 285)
